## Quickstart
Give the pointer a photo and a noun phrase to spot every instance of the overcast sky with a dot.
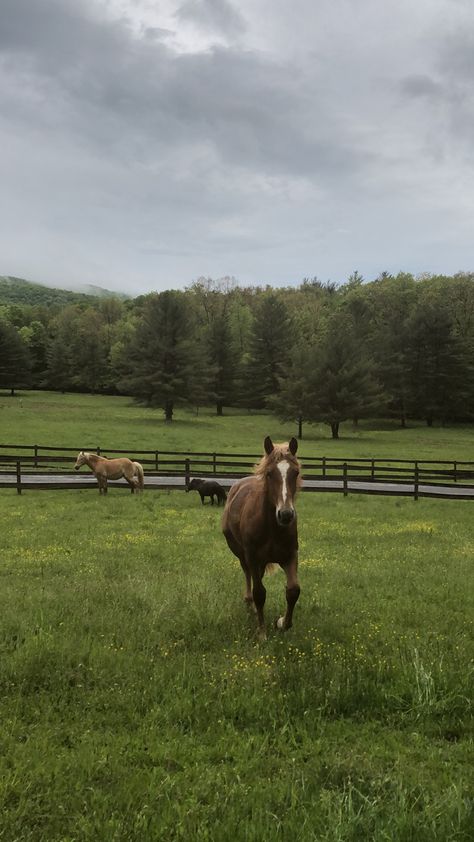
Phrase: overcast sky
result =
(145, 143)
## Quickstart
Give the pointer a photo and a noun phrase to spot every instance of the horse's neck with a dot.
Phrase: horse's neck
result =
(93, 459)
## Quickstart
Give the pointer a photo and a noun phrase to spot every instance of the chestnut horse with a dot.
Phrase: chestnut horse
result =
(259, 524)
(105, 469)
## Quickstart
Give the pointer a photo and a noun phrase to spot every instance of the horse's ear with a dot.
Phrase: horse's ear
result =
(268, 445)
(293, 445)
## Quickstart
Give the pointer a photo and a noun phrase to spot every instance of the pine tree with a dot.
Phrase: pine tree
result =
(211, 303)
(269, 353)
(164, 365)
(341, 377)
(441, 367)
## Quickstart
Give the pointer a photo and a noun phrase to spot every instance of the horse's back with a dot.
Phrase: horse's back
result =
(116, 468)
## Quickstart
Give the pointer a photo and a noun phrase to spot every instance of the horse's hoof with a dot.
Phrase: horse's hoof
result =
(261, 636)
(280, 623)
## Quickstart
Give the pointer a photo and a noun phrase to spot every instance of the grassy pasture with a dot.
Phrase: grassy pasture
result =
(71, 420)
(135, 703)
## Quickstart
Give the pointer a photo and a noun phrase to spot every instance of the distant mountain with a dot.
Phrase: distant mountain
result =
(100, 292)
(18, 291)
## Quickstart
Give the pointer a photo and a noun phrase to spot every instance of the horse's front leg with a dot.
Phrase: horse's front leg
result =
(259, 596)
(248, 581)
(292, 594)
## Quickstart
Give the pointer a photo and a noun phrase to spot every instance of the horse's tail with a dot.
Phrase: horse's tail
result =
(140, 474)
(272, 568)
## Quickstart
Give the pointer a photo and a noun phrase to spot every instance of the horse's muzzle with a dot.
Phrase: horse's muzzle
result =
(285, 516)
(76, 467)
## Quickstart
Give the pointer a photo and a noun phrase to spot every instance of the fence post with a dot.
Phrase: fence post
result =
(324, 467)
(97, 450)
(417, 481)
(344, 477)
(455, 465)
(214, 463)
(187, 471)
(156, 461)
(18, 477)
(36, 455)
(373, 470)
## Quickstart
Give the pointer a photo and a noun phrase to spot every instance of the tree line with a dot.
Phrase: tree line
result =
(395, 346)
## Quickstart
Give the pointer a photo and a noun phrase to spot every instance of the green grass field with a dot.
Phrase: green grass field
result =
(136, 704)
(72, 420)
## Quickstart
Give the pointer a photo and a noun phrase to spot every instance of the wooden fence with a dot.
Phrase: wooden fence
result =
(319, 472)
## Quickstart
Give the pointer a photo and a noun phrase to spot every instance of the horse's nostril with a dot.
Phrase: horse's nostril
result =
(285, 516)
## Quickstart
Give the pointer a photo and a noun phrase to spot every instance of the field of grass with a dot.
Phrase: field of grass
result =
(88, 421)
(137, 705)
(135, 702)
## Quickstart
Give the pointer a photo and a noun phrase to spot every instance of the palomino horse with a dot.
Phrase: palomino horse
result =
(259, 524)
(105, 469)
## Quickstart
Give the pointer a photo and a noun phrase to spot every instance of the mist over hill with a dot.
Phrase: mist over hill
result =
(20, 291)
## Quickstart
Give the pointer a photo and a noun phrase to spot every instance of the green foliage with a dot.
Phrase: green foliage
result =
(341, 376)
(166, 363)
(411, 340)
(330, 380)
(213, 332)
(269, 352)
(35, 337)
(17, 291)
(441, 367)
(15, 360)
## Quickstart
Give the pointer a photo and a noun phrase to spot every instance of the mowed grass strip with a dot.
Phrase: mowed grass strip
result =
(137, 705)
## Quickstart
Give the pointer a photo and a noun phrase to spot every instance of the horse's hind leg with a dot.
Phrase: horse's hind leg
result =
(133, 483)
(292, 594)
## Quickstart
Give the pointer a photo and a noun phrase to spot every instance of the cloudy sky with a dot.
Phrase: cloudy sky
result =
(144, 143)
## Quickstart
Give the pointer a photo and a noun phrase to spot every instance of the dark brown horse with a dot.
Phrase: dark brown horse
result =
(259, 524)
(105, 469)
(208, 488)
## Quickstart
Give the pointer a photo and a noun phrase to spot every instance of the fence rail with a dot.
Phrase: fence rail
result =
(320, 473)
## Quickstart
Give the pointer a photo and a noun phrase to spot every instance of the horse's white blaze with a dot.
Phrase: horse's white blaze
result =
(283, 468)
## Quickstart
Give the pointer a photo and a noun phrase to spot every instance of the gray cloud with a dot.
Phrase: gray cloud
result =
(128, 162)
(218, 15)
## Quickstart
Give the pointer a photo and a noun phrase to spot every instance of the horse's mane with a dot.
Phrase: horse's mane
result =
(279, 452)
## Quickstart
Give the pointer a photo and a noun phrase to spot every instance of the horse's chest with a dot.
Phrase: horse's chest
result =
(280, 548)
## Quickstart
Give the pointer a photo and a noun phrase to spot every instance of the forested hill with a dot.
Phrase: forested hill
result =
(19, 291)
